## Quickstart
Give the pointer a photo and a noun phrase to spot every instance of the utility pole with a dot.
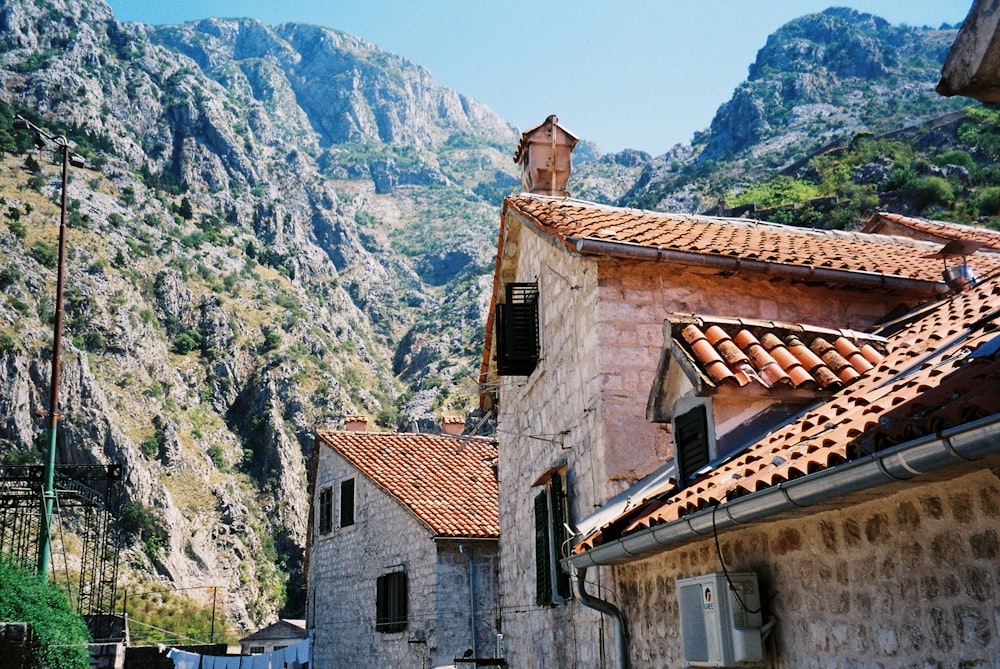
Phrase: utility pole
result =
(48, 491)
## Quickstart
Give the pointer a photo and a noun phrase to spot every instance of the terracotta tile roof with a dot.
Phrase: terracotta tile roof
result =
(768, 354)
(448, 483)
(746, 240)
(941, 231)
(941, 369)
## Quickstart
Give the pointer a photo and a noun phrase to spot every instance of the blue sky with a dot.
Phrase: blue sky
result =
(642, 74)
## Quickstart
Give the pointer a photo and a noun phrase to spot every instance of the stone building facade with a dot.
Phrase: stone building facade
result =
(386, 534)
(910, 579)
(605, 286)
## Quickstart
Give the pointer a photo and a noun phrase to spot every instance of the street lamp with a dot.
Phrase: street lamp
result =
(43, 138)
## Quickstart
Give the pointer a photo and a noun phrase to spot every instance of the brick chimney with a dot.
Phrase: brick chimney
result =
(356, 423)
(544, 156)
(453, 425)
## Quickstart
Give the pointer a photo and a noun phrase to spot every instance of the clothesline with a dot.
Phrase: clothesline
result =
(295, 656)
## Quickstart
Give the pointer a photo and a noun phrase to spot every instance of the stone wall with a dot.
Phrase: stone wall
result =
(345, 564)
(911, 579)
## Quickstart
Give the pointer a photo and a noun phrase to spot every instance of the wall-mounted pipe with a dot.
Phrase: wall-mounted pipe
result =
(576, 578)
(959, 445)
(759, 268)
(472, 596)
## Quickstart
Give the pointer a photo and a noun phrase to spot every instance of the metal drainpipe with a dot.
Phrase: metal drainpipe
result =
(472, 596)
(576, 577)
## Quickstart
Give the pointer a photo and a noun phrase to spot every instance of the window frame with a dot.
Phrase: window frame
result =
(702, 440)
(348, 516)
(517, 330)
(391, 602)
(325, 518)
(552, 585)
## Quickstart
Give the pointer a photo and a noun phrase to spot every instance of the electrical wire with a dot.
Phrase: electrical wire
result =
(732, 588)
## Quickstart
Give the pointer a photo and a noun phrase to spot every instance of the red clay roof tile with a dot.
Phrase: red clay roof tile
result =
(449, 483)
(930, 229)
(568, 220)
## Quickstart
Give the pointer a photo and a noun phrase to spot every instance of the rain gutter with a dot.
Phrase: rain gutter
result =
(860, 279)
(960, 445)
(576, 577)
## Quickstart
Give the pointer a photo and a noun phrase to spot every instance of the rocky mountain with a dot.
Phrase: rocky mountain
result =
(277, 226)
(819, 79)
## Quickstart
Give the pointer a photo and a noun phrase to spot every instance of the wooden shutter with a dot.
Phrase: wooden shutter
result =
(391, 602)
(557, 497)
(347, 503)
(691, 442)
(517, 330)
(543, 576)
(325, 510)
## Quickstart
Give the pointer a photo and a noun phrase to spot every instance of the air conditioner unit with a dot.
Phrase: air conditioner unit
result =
(716, 629)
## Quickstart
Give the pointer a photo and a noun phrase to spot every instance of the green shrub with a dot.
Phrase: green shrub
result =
(45, 253)
(933, 191)
(987, 201)
(61, 631)
(187, 341)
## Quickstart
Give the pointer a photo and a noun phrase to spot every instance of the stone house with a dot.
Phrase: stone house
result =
(590, 303)
(402, 551)
(281, 634)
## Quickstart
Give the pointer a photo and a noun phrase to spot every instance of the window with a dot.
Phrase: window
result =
(517, 330)
(326, 510)
(691, 442)
(347, 503)
(256, 650)
(390, 602)
(551, 582)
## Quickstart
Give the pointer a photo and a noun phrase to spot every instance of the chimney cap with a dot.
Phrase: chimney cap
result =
(356, 422)
(551, 121)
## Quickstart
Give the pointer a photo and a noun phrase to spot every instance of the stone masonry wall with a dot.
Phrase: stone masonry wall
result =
(910, 580)
(547, 420)
(635, 299)
(345, 564)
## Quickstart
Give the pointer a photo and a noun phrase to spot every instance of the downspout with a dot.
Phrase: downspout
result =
(472, 596)
(955, 446)
(577, 575)
(868, 280)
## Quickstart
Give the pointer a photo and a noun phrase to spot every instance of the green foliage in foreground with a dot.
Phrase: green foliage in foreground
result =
(61, 631)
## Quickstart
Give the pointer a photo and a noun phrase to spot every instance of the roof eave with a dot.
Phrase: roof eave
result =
(961, 445)
(736, 265)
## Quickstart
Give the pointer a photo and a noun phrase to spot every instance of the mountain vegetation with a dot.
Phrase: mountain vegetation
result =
(281, 225)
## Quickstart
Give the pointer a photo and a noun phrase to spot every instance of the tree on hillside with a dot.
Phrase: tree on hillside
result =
(61, 632)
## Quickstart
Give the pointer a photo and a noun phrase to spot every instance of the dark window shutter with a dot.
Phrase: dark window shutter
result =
(391, 602)
(347, 503)
(691, 442)
(543, 577)
(517, 330)
(325, 510)
(558, 496)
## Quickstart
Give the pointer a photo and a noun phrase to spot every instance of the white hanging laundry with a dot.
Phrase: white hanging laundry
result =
(183, 659)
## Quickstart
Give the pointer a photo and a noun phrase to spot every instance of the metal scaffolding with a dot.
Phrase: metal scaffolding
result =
(88, 504)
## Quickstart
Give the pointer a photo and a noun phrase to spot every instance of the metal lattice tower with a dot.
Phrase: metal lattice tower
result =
(89, 499)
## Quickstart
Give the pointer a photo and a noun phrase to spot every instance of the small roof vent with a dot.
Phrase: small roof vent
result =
(544, 156)
(958, 277)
